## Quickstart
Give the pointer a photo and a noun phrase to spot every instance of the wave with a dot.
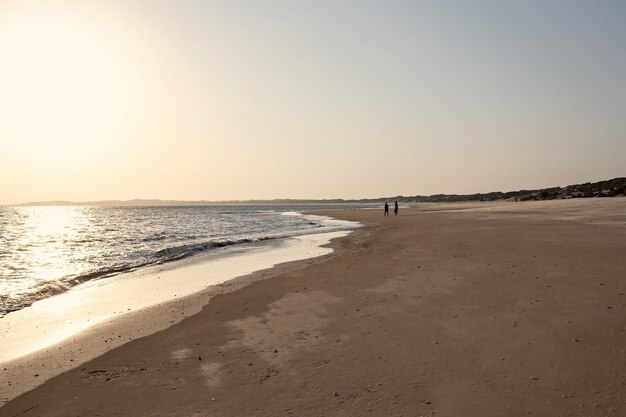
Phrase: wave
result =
(183, 251)
(45, 289)
(132, 251)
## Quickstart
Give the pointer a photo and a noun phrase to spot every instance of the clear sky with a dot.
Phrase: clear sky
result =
(307, 99)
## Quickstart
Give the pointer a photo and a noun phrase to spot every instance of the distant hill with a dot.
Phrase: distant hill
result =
(609, 188)
(156, 202)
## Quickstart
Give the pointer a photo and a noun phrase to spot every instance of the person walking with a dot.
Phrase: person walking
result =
(386, 209)
(395, 209)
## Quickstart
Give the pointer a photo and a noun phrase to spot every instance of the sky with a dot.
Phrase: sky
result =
(307, 99)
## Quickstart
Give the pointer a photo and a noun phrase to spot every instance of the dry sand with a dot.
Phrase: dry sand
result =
(505, 309)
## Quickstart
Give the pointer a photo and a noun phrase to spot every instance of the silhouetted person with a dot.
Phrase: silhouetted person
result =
(386, 209)
(395, 209)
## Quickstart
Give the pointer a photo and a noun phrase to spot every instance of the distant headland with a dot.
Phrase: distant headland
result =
(615, 187)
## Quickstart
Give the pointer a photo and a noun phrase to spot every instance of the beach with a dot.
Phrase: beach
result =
(481, 309)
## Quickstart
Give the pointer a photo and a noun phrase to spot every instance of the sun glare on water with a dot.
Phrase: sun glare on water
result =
(66, 87)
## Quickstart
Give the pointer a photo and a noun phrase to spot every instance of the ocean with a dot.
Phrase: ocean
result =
(47, 250)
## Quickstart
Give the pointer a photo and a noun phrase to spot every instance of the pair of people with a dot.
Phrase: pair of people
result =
(395, 209)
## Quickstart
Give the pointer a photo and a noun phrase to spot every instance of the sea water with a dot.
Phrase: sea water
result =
(47, 250)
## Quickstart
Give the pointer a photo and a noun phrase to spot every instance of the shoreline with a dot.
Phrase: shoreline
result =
(475, 309)
(64, 339)
(173, 256)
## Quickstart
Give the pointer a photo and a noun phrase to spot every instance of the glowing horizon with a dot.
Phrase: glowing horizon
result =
(248, 100)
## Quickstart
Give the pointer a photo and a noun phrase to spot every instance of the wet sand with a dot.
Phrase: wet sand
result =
(500, 309)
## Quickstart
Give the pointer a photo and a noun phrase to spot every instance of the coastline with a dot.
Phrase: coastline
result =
(100, 315)
(470, 309)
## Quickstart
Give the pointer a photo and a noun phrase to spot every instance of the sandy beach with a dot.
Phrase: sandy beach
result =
(494, 309)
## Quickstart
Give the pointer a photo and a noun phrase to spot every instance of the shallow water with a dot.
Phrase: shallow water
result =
(47, 250)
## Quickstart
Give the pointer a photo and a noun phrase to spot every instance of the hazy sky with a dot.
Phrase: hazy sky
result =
(271, 99)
